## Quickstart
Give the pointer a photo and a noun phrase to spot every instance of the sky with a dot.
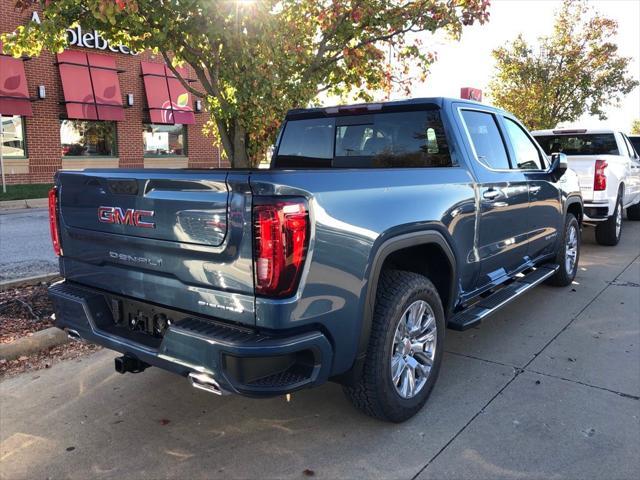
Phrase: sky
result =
(468, 63)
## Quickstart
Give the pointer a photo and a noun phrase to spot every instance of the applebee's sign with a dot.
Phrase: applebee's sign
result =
(91, 39)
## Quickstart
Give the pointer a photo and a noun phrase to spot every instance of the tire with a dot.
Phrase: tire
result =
(633, 212)
(609, 232)
(375, 392)
(568, 269)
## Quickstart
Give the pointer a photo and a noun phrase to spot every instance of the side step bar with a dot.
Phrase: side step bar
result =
(474, 314)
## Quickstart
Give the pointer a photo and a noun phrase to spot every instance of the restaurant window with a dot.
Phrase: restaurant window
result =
(83, 138)
(13, 144)
(164, 140)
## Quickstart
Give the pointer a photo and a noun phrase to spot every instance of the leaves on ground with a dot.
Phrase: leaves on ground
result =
(24, 311)
(46, 358)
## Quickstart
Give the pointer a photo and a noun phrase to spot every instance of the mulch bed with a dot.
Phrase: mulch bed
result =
(45, 358)
(24, 311)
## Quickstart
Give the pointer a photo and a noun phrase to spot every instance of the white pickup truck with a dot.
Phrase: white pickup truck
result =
(608, 170)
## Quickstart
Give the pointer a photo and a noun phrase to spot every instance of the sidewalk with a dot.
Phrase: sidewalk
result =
(28, 203)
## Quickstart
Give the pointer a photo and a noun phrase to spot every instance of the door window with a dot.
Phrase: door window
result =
(527, 154)
(486, 139)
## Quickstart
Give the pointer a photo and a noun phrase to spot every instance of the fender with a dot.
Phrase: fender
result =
(389, 246)
(571, 200)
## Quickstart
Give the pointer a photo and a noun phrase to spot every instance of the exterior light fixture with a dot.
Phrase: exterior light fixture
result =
(42, 92)
(198, 105)
(129, 99)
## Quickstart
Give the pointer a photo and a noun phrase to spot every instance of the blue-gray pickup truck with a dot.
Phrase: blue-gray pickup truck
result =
(376, 228)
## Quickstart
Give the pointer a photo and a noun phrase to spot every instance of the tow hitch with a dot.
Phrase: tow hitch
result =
(127, 363)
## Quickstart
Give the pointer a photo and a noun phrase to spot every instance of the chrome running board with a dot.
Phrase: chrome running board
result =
(473, 315)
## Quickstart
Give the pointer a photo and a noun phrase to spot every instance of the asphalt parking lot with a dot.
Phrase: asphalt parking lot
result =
(25, 243)
(548, 387)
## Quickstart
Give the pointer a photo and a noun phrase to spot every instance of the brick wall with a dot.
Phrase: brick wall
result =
(43, 129)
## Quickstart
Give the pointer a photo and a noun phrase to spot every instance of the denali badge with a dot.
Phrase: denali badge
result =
(125, 257)
(126, 217)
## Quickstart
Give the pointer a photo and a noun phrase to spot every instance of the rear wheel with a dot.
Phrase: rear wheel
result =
(405, 349)
(568, 254)
(633, 212)
(609, 231)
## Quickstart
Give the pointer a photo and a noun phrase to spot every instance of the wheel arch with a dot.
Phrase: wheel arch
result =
(431, 239)
(574, 205)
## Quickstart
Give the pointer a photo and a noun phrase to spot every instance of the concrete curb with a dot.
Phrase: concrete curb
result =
(47, 338)
(27, 203)
(7, 284)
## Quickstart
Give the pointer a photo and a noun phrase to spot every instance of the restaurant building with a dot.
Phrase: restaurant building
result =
(96, 105)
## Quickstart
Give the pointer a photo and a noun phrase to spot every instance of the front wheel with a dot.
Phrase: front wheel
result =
(405, 348)
(608, 232)
(568, 253)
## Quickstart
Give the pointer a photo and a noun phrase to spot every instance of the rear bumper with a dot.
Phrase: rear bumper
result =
(598, 211)
(240, 360)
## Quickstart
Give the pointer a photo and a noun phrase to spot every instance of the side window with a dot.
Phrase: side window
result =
(527, 155)
(486, 139)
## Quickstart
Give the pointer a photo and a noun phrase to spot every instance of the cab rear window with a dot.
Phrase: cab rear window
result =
(581, 144)
(380, 140)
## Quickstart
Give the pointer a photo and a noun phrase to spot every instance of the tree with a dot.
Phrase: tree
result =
(576, 70)
(257, 59)
(635, 127)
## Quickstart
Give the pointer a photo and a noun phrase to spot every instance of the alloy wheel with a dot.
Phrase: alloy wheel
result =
(414, 349)
(618, 219)
(571, 249)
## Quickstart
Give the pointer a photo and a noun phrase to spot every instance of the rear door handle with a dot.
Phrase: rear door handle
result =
(492, 194)
(535, 189)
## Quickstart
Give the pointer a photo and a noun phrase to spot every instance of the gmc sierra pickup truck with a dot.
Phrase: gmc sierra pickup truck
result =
(377, 226)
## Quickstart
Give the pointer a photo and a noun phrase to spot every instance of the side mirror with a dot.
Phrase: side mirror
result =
(559, 164)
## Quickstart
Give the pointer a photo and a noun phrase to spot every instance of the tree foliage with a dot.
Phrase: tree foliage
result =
(635, 127)
(256, 59)
(575, 70)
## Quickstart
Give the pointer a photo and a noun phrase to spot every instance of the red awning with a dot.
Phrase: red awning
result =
(90, 85)
(168, 100)
(14, 93)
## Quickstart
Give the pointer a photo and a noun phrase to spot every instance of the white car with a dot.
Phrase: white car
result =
(608, 169)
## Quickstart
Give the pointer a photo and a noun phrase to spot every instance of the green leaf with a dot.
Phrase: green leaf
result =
(183, 99)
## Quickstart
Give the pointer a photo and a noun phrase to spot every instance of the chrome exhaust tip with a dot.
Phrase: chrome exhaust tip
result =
(73, 334)
(205, 382)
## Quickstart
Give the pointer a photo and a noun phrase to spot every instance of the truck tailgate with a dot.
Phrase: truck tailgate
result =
(584, 166)
(175, 238)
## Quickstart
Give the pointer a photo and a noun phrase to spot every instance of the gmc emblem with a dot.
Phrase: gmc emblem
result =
(129, 216)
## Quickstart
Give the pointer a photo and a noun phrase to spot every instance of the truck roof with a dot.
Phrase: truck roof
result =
(435, 102)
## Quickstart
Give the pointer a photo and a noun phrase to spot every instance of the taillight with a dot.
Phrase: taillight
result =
(281, 235)
(53, 221)
(600, 179)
